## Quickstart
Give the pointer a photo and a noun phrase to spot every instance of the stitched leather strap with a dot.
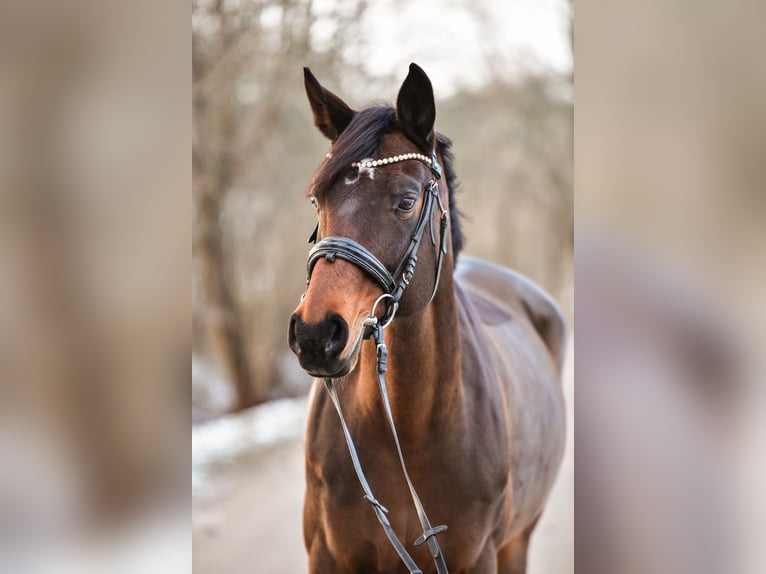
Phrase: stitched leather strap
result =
(351, 251)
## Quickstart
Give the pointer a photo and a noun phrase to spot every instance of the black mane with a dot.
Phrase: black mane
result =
(444, 149)
(361, 140)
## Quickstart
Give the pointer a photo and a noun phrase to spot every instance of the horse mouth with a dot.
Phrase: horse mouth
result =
(344, 370)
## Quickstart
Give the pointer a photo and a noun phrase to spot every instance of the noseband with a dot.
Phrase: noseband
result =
(394, 285)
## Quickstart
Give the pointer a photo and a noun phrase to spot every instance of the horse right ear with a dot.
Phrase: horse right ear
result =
(416, 110)
(331, 114)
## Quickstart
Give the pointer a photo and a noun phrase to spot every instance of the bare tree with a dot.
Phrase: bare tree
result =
(213, 173)
(247, 58)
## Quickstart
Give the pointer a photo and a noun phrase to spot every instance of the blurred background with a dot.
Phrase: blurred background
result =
(503, 79)
(96, 219)
(670, 273)
(95, 179)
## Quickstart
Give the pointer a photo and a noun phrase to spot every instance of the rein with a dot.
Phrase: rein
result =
(393, 286)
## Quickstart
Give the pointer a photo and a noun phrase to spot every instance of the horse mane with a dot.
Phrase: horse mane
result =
(444, 149)
(361, 140)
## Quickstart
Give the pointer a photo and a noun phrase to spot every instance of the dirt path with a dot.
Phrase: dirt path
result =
(251, 522)
(255, 527)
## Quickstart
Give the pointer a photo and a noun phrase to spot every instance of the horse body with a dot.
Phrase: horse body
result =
(483, 435)
(473, 372)
(522, 332)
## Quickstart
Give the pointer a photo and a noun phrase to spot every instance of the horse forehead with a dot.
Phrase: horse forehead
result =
(394, 142)
(373, 182)
(352, 212)
(354, 206)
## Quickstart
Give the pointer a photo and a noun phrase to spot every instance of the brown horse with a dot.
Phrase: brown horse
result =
(474, 368)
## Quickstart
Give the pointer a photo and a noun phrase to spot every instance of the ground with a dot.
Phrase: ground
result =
(246, 511)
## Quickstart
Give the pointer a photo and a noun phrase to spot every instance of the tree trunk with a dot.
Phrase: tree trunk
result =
(214, 168)
(226, 333)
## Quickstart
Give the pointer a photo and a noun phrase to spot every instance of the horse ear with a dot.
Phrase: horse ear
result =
(416, 110)
(331, 114)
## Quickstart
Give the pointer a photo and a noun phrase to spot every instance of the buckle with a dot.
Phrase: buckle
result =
(374, 501)
(430, 533)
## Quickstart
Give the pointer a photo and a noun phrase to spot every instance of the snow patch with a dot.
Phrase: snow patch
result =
(212, 393)
(225, 439)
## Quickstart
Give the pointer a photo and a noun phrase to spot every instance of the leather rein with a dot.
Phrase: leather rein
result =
(393, 284)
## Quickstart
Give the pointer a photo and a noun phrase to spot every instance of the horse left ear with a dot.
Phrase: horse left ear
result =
(416, 110)
(331, 114)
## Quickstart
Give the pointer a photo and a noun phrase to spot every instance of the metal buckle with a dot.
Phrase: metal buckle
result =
(430, 533)
(374, 501)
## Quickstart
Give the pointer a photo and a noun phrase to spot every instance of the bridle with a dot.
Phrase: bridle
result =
(393, 284)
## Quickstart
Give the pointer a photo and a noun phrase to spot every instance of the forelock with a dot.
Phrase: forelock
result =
(360, 140)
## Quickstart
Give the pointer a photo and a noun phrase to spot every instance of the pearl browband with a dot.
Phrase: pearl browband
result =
(386, 160)
(431, 162)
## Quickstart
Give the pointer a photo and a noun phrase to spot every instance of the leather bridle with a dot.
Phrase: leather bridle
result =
(393, 284)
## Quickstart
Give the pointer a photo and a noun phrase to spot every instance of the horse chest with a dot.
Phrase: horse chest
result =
(448, 485)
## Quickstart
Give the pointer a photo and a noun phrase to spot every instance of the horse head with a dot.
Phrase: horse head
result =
(376, 195)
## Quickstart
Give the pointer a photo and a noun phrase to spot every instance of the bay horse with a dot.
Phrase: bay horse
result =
(472, 381)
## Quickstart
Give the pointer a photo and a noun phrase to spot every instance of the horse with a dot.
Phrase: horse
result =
(473, 372)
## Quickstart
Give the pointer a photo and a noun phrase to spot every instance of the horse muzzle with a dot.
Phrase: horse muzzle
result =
(319, 345)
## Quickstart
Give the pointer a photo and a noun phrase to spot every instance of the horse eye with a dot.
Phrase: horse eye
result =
(406, 204)
(314, 202)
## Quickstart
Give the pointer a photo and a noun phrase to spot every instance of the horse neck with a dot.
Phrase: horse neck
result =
(423, 377)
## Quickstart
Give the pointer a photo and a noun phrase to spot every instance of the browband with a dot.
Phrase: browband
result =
(431, 162)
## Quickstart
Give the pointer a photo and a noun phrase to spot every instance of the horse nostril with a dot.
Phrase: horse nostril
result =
(292, 338)
(337, 334)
